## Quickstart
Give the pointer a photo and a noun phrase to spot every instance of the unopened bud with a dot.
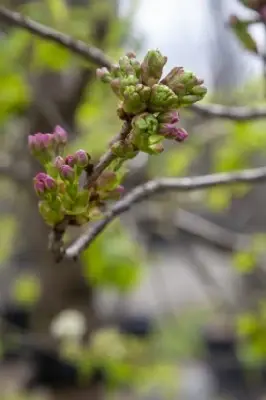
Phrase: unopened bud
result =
(103, 74)
(60, 135)
(181, 135)
(58, 162)
(70, 160)
(116, 193)
(156, 148)
(39, 187)
(199, 90)
(81, 158)
(152, 67)
(131, 54)
(44, 183)
(170, 117)
(67, 173)
(162, 98)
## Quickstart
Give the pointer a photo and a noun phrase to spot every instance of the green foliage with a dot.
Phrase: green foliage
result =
(8, 229)
(240, 29)
(251, 327)
(26, 289)
(49, 56)
(125, 360)
(244, 261)
(113, 260)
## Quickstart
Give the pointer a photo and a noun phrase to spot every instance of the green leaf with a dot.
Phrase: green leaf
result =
(8, 229)
(49, 55)
(26, 289)
(218, 198)
(240, 29)
(59, 11)
(111, 261)
(244, 261)
(174, 162)
(247, 325)
(14, 93)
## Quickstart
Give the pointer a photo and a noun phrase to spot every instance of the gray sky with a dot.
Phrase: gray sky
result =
(181, 29)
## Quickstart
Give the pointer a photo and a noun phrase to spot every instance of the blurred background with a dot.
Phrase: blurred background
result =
(172, 296)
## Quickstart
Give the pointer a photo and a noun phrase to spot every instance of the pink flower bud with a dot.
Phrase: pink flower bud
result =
(39, 187)
(31, 142)
(44, 183)
(40, 142)
(41, 176)
(116, 193)
(103, 74)
(171, 131)
(67, 173)
(60, 135)
(81, 158)
(168, 130)
(50, 183)
(170, 117)
(181, 135)
(58, 162)
(70, 160)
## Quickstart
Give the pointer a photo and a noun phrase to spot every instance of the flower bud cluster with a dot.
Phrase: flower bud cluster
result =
(59, 188)
(149, 101)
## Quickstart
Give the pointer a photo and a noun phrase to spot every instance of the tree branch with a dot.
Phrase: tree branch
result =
(95, 55)
(231, 113)
(78, 47)
(150, 188)
(108, 157)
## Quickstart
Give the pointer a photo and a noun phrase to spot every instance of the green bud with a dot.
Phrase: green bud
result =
(199, 90)
(184, 83)
(152, 67)
(125, 66)
(137, 67)
(139, 140)
(156, 148)
(130, 80)
(178, 79)
(162, 98)
(82, 219)
(124, 150)
(154, 139)
(116, 86)
(136, 98)
(103, 74)
(81, 202)
(115, 70)
(190, 99)
(145, 124)
(50, 216)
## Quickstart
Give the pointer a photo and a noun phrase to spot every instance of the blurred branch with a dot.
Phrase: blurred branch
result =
(98, 57)
(150, 188)
(76, 46)
(232, 113)
(223, 238)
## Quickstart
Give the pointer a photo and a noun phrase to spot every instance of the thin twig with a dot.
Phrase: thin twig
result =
(232, 113)
(79, 47)
(96, 56)
(108, 157)
(142, 192)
